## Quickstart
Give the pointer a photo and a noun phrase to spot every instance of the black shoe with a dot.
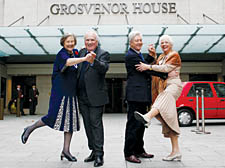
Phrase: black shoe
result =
(90, 158)
(145, 155)
(23, 114)
(98, 161)
(23, 138)
(133, 159)
(68, 157)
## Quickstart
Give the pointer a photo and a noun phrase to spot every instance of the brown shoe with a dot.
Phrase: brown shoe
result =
(145, 155)
(133, 159)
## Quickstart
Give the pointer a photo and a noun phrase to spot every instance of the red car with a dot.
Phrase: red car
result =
(214, 101)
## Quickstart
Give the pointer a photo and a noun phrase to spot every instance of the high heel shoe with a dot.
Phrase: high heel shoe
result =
(68, 157)
(176, 157)
(142, 118)
(23, 138)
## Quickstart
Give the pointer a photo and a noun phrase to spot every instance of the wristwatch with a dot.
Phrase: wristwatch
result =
(150, 67)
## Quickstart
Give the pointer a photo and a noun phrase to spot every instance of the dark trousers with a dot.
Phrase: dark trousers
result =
(21, 106)
(92, 118)
(32, 107)
(134, 143)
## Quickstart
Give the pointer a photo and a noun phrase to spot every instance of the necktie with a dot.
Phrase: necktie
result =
(140, 54)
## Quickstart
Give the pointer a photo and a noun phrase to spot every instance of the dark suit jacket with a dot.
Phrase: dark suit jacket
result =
(138, 87)
(95, 77)
(16, 94)
(32, 96)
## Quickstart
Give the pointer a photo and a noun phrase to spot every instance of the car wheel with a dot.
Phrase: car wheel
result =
(185, 117)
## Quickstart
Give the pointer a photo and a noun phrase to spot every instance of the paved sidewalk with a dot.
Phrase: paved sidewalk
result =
(44, 146)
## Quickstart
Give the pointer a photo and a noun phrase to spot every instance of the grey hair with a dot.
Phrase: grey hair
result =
(134, 34)
(65, 36)
(91, 32)
(167, 37)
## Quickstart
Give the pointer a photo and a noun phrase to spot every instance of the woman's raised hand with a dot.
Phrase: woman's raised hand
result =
(151, 50)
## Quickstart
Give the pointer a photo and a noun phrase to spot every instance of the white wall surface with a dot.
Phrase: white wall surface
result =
(2, 2)
(35, 11)
(43, 83)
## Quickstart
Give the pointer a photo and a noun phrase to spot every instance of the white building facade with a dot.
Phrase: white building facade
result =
(30, 33)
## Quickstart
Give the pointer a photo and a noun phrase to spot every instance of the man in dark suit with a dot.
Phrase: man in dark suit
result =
(92, 94)
(18, 93)
(138, 96)
(33, 99)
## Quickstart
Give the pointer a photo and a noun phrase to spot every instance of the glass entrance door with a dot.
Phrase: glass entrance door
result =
(26, 84)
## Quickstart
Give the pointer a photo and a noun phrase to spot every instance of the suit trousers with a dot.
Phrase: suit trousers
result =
(32, 107)
(92, 118)
(134, 143)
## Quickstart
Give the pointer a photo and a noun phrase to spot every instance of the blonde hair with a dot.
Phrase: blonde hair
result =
(166, 37)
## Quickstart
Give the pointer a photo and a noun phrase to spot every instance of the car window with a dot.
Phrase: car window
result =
(199, 86)
(220, 89)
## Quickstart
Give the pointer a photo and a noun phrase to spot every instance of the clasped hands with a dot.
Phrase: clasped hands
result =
(90, 57)
(142, 66)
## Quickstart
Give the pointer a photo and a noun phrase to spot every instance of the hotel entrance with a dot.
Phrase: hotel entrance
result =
(26, 84)
(116, 92)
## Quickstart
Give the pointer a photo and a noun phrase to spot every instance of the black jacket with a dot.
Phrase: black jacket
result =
(94, 77)
(138, 87)
(32, 95)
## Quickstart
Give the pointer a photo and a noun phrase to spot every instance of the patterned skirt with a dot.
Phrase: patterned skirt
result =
(63, 114)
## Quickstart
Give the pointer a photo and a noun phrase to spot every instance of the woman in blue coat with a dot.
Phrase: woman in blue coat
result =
(63, 112)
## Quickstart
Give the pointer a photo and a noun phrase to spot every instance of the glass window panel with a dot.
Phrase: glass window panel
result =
(4, 47)
(200, 44)
(212, 29)
(206, 87)
(220, 89)
(77, 30)
(180, 29)
(26, 46)
(51, 44)
(113, 30)
(149, 40)
(219, 48)
(178, 42)
(2, 54)
(45, 31)
(149, 29)
(13, 32)
(114, 45)
(80, 43)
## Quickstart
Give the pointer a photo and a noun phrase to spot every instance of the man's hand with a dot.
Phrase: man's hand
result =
(142, 67)
(90, 57)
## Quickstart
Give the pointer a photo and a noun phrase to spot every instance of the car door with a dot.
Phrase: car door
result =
(220, 92)
(210, 106)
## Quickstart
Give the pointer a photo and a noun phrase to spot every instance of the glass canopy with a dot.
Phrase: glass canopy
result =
(113, 38)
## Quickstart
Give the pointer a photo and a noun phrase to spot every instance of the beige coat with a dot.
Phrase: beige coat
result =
(166, 92)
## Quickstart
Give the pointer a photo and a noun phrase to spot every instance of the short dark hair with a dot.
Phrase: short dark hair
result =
(65, 36)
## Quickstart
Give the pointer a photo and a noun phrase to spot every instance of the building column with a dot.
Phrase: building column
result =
(8, 89)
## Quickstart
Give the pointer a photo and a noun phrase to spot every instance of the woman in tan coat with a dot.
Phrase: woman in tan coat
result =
(165, 93)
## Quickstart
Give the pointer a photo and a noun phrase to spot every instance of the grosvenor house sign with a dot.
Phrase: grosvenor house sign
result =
(112, 8)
